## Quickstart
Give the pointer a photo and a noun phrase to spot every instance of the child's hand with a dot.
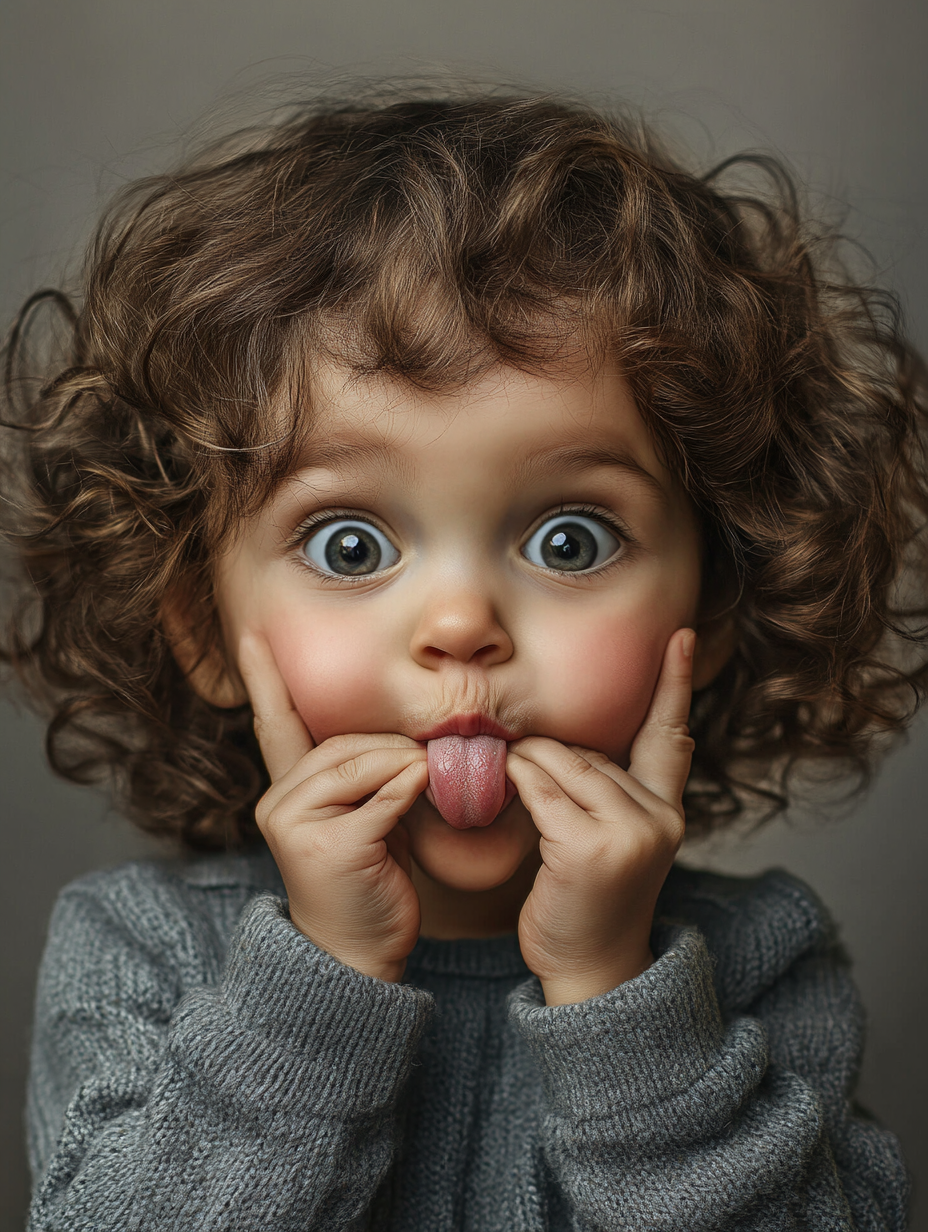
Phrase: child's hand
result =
(609, 837)
(330, 818)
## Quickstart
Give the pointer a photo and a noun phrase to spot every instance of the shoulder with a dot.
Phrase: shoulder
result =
(177, 913)
(176, 876)
(756, 928)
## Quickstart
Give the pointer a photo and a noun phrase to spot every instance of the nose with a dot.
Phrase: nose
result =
(460, 626)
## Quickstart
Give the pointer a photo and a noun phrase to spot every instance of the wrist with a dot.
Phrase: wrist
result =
(575, 986)
(390, 970)
(390, 973)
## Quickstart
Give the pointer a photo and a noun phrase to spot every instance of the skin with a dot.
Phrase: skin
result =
(590, 672)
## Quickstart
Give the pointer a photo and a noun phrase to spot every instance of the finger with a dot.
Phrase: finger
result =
(331, 753)
(398, 846)
(575, 775)
(629, 784)
(335, 790)
(350, 744)
(551, 806)
(663, 750)
(648, 801)
(281, 732)
(375, 820)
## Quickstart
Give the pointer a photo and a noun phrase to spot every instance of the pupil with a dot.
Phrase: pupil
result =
(354, 551)
(569, 548)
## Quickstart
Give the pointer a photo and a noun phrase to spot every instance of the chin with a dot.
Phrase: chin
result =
(480, 858)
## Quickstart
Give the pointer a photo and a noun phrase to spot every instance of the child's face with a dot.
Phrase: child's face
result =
(514, 555)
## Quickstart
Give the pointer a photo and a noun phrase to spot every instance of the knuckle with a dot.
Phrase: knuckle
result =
(665, 815)
(578, 770)
(654, 839)
(263, 811)
(352, 770)
(579, 764)
(392, 784)
(390, 793)
(596, 850)
(397, 787)
(593, 756)
(545, 792)
(581, 768)
(679, 733)
(316, 843)
(268, 815)
(641, 850)
(671, 825)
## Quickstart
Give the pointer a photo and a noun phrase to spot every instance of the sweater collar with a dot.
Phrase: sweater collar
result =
(474, 957)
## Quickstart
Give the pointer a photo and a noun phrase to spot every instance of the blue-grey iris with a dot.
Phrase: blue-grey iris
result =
(352, 552)
(569, 546)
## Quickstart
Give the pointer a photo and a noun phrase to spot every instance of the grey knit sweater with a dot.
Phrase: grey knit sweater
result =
(198, 1064)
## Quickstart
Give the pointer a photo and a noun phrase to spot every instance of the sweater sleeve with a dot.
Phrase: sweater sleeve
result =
(264, 1101)
(659, 1115)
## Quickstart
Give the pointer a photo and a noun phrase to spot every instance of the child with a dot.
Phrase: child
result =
(446, 446)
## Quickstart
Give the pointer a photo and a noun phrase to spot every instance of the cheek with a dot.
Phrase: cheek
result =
(332, 671)
(599, 682)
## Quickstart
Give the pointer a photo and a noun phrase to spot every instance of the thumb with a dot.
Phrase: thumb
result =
(398, 846)
(663, 749)
(281, 732)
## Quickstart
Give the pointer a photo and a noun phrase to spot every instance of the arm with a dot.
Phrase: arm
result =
(660, 1116)
(269, 1095)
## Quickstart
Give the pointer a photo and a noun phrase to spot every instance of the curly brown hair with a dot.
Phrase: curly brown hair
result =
(430, 238)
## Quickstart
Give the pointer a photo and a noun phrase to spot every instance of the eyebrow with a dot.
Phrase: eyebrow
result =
(572, 458)
(341, 457)
(322, 454)
(338, 456)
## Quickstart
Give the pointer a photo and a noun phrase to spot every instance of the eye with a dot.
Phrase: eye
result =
(571, 543)
(349, 548)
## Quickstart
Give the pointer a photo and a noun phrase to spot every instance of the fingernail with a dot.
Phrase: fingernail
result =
(689, 644)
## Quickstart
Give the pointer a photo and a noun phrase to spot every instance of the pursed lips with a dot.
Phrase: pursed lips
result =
(467, 725)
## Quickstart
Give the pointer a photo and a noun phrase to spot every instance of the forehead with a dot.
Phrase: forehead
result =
(569, 418)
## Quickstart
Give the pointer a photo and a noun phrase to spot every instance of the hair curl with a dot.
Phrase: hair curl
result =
(429, 238)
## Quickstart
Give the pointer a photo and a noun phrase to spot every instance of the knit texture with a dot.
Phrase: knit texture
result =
(199, 1064)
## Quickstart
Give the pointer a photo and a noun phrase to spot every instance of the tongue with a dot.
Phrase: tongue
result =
(467, 777)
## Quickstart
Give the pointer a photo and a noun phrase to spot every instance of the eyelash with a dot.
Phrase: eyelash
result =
(609, 520)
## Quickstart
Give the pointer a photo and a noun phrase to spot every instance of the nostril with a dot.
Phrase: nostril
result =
(477, 656)
(435, 652)
(459, 628)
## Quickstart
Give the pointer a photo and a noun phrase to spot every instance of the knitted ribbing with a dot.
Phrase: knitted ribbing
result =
(198, 1063)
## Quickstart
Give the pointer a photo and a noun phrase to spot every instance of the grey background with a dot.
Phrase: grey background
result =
(94, 92)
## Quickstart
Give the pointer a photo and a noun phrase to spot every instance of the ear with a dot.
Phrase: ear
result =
(715, 644)
(203, 661)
